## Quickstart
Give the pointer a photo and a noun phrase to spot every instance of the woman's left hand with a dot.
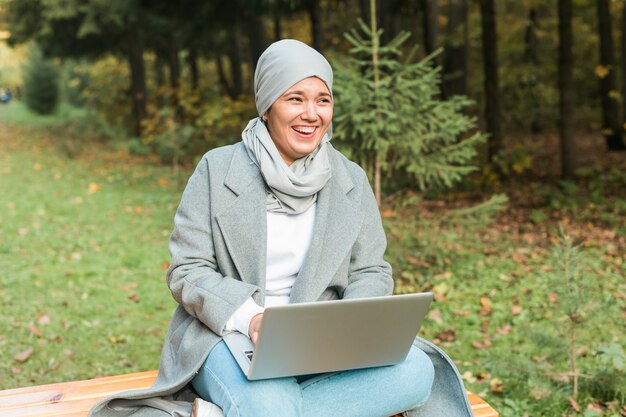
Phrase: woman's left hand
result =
(255, 326)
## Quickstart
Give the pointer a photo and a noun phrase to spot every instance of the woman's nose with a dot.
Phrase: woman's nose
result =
(310, 111)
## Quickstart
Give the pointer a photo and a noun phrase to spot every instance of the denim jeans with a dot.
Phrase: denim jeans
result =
(376, 392)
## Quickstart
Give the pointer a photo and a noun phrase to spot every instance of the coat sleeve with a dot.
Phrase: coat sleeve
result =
(193, 277)
(369, 274)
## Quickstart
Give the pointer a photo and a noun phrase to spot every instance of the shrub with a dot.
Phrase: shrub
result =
(41, 83)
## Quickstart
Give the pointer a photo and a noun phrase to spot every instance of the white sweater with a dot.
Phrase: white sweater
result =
(288, 240)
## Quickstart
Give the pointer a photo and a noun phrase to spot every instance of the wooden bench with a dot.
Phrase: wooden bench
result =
(74, 399)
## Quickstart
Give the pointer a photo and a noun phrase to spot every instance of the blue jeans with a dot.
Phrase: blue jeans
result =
(375, 392)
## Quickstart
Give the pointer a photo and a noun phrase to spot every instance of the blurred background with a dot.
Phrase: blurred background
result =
(492, 132)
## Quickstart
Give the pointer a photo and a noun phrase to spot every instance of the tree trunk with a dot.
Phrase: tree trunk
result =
(278, 29)
(430, 10)
(611, 128)
(364, 7)
(223, 79)
(173, 61)
(134, 53)
(257, 40)
(375, 48)
(455, 51)
(236, 59)
(316, 24)
(192, 61)
(530, 37)
(491, 80)
(623, 56)
(566, 89)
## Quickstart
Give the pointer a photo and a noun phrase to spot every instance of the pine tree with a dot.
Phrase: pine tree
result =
(390, 115)
(41, 83)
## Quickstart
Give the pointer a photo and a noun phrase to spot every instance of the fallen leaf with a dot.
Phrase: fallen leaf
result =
(468, 377)
(482, 344)
(496, 386)
(44, 320)
(23, 356)
(134, 298)
(16, 371)
(596, 407)
(388, 213)
(574, 404)
(462, 313)
(553, 297)
(504, 330)
(447, 335)
(516, 310)
(34, 330)
(115, 340)
(486, 307)
(162, 181)
(93, 188)
(435, 315)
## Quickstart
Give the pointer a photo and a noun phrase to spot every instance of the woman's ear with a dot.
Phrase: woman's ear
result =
(266, 116)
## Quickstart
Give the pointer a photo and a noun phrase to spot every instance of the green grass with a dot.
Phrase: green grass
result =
(83, 245)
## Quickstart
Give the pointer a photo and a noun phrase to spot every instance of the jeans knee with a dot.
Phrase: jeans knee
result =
(420, 375)
(268, 399)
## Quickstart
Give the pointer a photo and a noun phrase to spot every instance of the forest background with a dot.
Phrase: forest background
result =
(125, 96)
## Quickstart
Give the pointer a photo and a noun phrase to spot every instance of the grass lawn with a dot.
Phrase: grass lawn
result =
(83, 248)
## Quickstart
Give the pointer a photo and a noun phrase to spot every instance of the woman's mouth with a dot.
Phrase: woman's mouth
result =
(305, 130)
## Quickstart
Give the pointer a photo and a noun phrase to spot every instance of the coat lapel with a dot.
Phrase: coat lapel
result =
(336, 229)
(242, 219)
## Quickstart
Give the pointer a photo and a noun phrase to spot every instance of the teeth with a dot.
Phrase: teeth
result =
(307, 129)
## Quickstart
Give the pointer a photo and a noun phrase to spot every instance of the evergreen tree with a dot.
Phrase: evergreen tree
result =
(390, 115)
(41, 83)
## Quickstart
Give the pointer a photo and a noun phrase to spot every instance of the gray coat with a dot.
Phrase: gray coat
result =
(218, 261)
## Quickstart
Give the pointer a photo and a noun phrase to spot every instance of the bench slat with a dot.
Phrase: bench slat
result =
(75, 398)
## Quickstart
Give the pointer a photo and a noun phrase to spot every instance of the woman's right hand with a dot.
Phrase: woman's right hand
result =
(255, 326)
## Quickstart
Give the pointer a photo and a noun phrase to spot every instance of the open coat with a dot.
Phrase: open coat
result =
(218, 249)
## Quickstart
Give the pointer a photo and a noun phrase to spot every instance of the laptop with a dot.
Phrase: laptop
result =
(330, 336)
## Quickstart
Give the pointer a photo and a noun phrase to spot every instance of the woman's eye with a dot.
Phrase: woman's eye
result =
(298, 99)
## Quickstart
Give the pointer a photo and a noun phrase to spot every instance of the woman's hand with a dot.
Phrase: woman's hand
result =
(255, 325)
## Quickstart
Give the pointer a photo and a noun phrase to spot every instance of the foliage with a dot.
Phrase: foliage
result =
(101, 90)
(398, 120)
(41, 83)
(193, 125)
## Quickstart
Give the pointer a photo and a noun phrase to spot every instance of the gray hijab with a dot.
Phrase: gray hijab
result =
(291, 189)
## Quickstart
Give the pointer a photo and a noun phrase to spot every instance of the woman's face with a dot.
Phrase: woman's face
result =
(299, 118)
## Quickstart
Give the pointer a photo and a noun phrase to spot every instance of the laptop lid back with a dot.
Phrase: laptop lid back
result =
(328, 336)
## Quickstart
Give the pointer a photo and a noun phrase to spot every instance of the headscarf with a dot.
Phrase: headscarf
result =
(291, 189)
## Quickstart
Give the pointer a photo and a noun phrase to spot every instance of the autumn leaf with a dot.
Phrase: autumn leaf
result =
(34, 330)
(504, 330)
(93, 188)
(448, 335)
(481, 344)
(23, 356)
(486, 304)
(602, 71)
(44, 320)
(574, 404)
(516, 310)
(496, 386)
(162, 181)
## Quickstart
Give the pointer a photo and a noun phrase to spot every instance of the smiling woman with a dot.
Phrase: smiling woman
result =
(281, 217)
(299, 119)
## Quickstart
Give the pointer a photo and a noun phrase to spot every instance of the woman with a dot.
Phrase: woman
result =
(280, 217)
